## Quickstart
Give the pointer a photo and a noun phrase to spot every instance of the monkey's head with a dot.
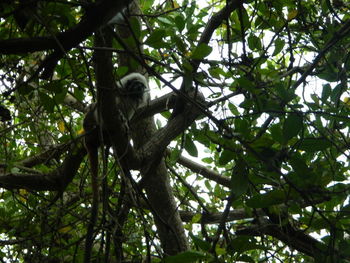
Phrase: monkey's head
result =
(134, 87)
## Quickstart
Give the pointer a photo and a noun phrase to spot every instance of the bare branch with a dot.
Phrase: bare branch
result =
(102, 12)
(204, 171)
(56, 180)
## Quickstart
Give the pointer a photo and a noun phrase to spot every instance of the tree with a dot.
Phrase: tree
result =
(244, 159)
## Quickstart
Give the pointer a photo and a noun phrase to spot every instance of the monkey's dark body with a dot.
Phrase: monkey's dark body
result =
(132, 92)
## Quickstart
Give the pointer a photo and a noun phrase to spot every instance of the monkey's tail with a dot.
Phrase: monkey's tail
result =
(93, 159)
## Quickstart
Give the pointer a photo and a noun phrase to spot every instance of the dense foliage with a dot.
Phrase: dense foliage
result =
(258, 169)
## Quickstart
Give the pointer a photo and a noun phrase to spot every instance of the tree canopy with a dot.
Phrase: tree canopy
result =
(240, 156)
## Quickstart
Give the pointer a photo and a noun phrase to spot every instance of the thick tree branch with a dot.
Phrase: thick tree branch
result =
(54, 152)
(292, 237)
(99, 13)
(56, 180)
(156, 146)
(157, 105)
(204, 171)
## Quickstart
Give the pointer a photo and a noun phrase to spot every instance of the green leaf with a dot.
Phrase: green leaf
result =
(187, 257)
(187, 66)
(207, 160)
(241, 244)
(225, 157)
(146, 4)
(208, 185)
(279, 44)
(292, 126)
(190, 147)
(165, 21)
(179, 43)
(344, 248)
(196, 218)
(336, 93)
(239, 179)
(299, 165)
(205, 246)
(245, 83)
(25, 89)
(216, 72)
(285, 94)
(53, 86)
(174, 155)
(254, 42)
(247, 104)
(180, 22)
(189, 12)
(276, 133)
(155, 40)
(245, 258)
(233, 109)
(121, 71)
(242, 126)
(201, 51)
(329, 74)
(274, 197)
(59, 97)
(313, 144)
(135, 27)
(47, 102)
(219, 250)
(326, 92)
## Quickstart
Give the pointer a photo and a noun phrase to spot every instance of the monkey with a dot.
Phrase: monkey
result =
(132, 92)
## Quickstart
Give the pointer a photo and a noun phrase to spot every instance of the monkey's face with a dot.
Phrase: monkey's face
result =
(134, 90)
